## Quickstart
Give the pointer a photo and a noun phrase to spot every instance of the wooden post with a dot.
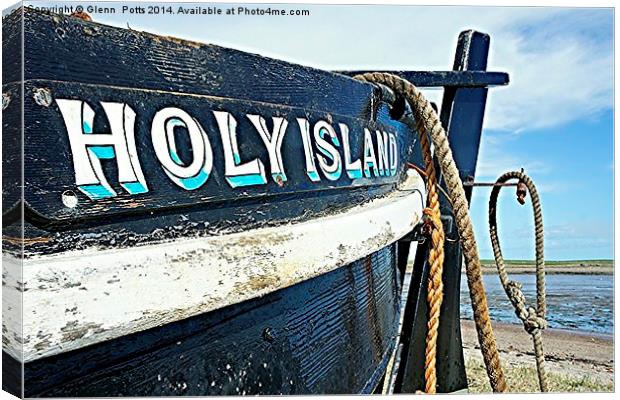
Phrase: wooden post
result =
(462, 113)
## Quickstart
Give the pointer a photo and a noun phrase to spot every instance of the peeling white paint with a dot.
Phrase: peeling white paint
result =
(78, 298)
(12, 305)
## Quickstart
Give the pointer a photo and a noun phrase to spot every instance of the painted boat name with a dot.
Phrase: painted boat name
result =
(379, 153)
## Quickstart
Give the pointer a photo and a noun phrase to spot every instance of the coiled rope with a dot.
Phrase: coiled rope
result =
(428, 124)
(533, 319)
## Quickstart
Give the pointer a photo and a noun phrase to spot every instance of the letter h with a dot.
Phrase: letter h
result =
(88, 148)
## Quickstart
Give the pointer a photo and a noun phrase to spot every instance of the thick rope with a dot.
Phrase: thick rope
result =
(428, 124)
(434, 296)
(533, 319)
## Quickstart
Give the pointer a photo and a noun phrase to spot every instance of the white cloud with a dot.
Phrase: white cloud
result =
(488, 167)
(557, 76)
(495, 158)
(590, 233)
(560, 60)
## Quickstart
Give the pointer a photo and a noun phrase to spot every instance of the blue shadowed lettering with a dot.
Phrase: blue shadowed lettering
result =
(96, 192)
(134, 187)
(194, 182)
(175, 157)
(354, 173)
(103, 152)
(245, 180)
(314, 175)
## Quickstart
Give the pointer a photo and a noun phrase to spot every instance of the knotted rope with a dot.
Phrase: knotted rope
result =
(428, 124)
(533, 319)
(434, 296)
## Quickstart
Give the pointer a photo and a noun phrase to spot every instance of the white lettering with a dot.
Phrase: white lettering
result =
(273, 142)
(370, 161)
(237, 174)
(304, 127)
(329, 159)
(354, 169)
(89, 148)
(190, 176)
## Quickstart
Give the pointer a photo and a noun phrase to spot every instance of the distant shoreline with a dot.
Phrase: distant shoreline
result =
(585, 267)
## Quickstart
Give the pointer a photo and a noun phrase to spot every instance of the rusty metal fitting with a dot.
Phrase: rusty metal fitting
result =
(279, 181)
(521, 192)
(427, 223)
(81, 15)
(427, 227)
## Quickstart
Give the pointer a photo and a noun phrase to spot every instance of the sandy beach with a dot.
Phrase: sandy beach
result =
(578, 355)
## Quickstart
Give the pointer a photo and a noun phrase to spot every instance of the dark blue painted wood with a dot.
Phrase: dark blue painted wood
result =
(12, 132)
(462, 109)
(12, 375)
(88, 52)
(12, 47)
(458, 78)
(49, 169)
(332, 334)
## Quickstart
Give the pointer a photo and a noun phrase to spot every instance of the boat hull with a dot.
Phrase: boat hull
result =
(330, 334)
(236, 229)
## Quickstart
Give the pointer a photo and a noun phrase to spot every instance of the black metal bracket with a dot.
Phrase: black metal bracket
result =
(462, 113)
(457, 79)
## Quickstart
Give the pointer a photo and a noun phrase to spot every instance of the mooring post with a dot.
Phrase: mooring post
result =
(462, 108)
(462, 113)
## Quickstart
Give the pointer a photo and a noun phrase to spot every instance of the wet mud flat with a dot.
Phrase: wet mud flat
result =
(580, 356)
(574, 302)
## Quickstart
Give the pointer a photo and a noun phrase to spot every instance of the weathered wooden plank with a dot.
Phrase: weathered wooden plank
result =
(125, 232)
(64, 49)
(69, 49)
(99, 295)
(12, 47)
(304, 339)
(54, 172)
(12, 135)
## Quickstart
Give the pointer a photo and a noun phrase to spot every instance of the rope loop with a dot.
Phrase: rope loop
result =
(428, 127)
(528, 315)
(533, 318)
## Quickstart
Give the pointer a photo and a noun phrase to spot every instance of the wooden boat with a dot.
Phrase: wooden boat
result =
(196, 220)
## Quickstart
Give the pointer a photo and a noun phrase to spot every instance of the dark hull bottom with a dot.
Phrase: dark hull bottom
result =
(331, 334)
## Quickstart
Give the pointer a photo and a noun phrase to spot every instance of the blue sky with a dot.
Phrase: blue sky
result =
(555, 119)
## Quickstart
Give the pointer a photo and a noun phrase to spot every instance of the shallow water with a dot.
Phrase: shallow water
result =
(575, 302)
